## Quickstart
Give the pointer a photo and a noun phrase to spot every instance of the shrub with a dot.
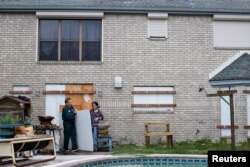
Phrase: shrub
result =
(9, 119)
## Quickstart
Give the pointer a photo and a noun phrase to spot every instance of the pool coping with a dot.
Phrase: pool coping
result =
(114, 157)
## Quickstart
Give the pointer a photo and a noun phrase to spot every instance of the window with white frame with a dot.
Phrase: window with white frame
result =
(153, 98)
(157, 25)
(231, 31)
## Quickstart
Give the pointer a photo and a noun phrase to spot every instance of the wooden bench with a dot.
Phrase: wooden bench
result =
(9, 147)
(167, 133)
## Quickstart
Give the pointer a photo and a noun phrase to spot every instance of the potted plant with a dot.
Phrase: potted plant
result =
(26, 129)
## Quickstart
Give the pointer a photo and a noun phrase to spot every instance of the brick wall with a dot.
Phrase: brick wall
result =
(184, 61)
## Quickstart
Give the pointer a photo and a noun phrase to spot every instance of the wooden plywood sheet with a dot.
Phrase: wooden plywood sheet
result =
(80, 101)
(87, 98)
(75, 98)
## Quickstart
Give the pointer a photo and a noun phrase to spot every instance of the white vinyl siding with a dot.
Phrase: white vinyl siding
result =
(225, 116)
(248, 112)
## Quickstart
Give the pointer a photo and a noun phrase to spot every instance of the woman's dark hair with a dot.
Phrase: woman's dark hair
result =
(97, 105)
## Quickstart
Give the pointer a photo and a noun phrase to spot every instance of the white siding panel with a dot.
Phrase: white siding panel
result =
(56, 87)
(225, 116)
(53, 103)
(52, 108)
(248, 113)
(84, 130)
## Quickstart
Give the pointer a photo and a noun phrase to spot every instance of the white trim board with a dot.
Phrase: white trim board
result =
(47, 14)
(222, 17)
(158, 15)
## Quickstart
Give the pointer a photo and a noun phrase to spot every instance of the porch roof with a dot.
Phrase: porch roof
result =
(235, 72)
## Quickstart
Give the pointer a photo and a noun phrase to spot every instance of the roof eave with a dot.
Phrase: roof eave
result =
(128, 10)
(229, 83)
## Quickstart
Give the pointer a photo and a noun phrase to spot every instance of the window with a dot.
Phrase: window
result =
(20, 90)
(70, 40)
(153, 98)
(49, 39)
(91, 40)
(157, 25)
(231, 31)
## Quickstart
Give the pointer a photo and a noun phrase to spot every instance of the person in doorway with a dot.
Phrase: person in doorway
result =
(69, 127)
(96, 114)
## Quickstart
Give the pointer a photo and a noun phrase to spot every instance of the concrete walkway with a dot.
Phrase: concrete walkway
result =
(66, 160)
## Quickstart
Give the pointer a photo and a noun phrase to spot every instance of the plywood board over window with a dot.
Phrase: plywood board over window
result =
(80, 98)
(153, 98)
(22, 90)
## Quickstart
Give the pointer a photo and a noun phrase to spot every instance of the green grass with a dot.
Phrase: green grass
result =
(186, 147)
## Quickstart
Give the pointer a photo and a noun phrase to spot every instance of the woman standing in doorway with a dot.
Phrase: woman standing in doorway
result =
(96, 114)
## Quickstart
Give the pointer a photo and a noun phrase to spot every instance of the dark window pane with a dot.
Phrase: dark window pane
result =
(70, 30)
(48, 30)
(70, 51)
(91, 51)
(91, 30)
(48, 51)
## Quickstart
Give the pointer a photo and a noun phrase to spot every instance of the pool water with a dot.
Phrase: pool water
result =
(149, 162)
(166, 165)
